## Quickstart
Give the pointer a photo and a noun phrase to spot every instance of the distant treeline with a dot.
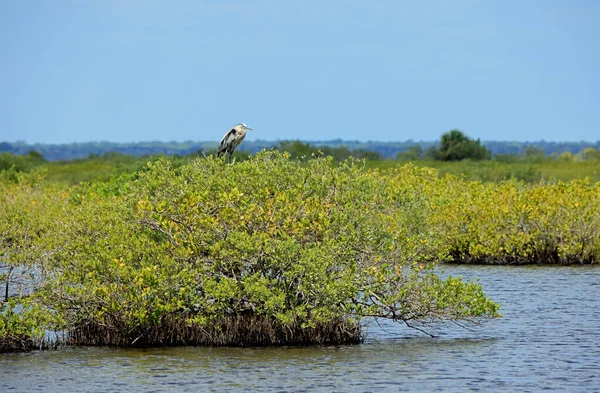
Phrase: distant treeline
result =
(383, 150)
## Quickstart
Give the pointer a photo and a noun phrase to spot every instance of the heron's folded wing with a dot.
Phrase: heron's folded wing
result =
(226, 141)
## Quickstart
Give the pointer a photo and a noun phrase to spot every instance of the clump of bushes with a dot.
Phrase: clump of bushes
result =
(266, 251)
(26, 208)
(456, 146)
(517, 223)
(23, 326)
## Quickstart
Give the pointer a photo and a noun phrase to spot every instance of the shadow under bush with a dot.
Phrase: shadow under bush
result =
(236, 330)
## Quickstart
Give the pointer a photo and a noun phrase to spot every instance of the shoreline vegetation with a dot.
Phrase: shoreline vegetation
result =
(273, 250)
(455, 154)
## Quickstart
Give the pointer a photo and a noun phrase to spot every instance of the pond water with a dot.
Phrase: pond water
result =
(548, 339)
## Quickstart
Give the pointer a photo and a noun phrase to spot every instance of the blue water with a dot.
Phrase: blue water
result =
(548, 340)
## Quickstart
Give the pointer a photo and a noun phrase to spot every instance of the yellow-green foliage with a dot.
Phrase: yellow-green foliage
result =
(514, 222)
(529, 171)
(302, 245)
(26, 208)
(269, 250)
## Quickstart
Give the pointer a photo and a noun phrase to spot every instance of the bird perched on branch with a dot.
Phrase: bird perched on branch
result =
(232, 139)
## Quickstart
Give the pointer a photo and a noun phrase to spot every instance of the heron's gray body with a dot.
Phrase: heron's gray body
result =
(232, 139)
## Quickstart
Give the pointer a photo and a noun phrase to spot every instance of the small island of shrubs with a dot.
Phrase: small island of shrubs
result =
(268, 251)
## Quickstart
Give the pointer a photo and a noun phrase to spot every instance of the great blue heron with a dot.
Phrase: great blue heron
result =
(232, 139)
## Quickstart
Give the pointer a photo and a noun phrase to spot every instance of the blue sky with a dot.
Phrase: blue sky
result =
(381, 70)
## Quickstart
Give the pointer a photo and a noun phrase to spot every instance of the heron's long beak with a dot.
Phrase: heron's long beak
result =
(248, 128)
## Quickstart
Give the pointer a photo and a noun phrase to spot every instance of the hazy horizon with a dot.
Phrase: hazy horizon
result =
(335, 140)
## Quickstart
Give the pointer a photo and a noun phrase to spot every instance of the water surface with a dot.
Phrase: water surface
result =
(548, 339)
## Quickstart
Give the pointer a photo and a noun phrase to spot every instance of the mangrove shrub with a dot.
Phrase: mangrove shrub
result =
(27, 206)
(266, 251)
(514, 222)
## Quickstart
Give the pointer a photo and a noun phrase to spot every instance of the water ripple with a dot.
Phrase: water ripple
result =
(547, 340)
